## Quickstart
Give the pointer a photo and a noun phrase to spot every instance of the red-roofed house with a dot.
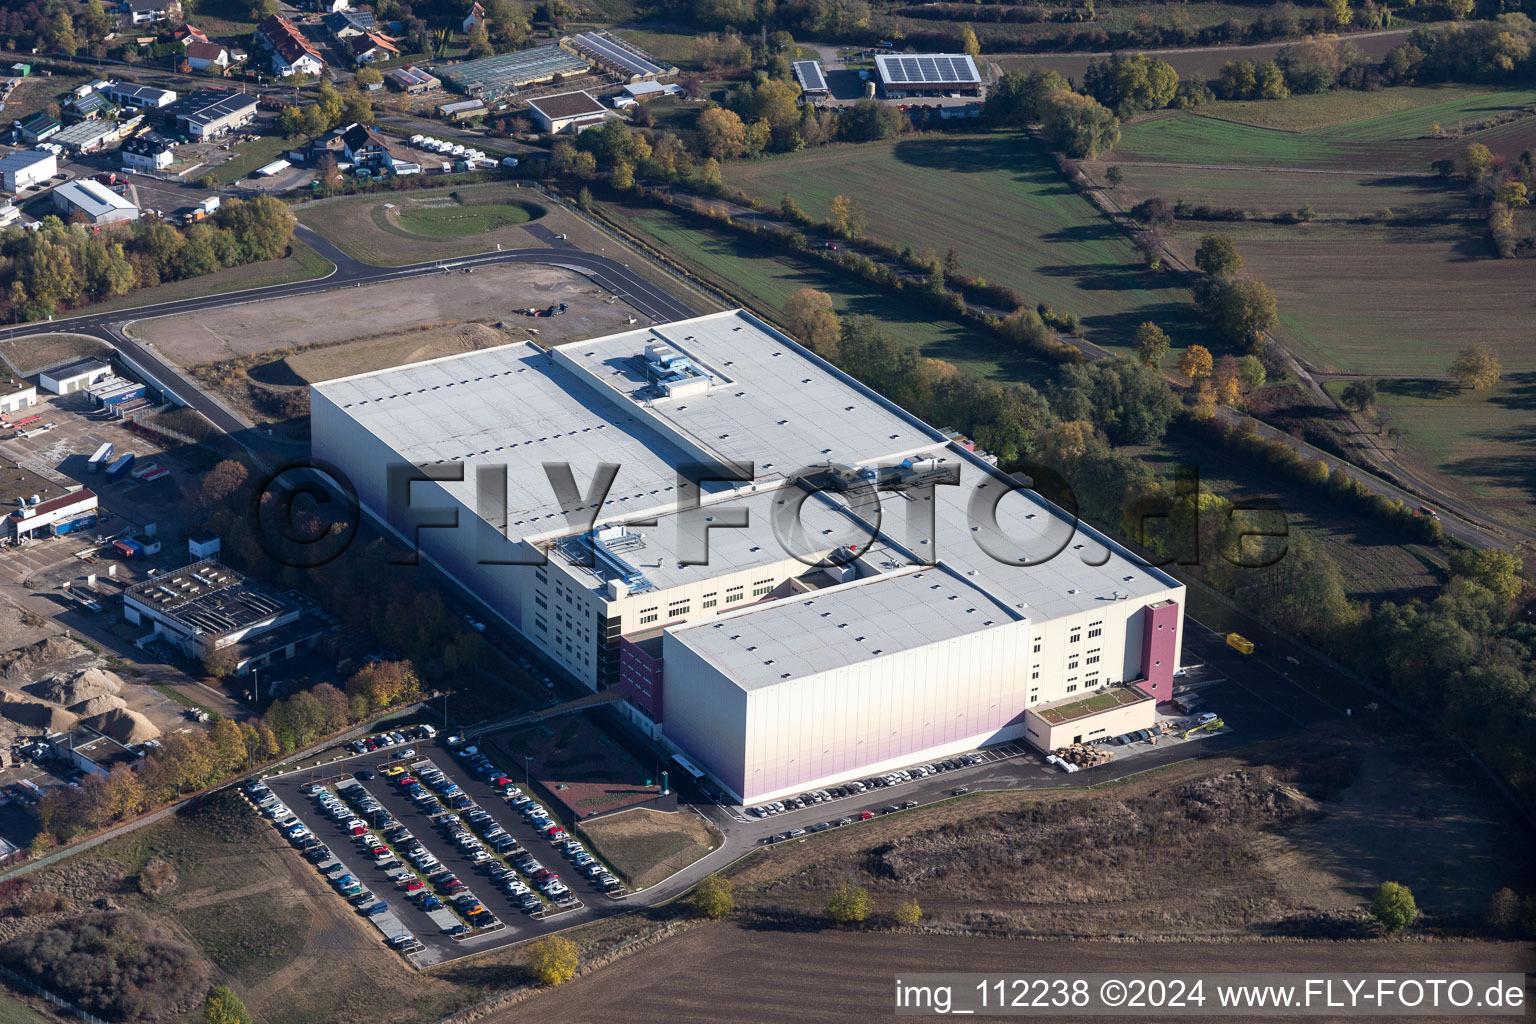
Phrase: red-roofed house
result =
(292, 53)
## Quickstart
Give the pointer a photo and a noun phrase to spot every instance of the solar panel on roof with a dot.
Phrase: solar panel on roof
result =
(811, 78)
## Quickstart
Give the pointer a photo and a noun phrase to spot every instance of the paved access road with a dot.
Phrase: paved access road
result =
(606, 273)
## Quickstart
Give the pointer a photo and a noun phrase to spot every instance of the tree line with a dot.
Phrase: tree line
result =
(63, 266)
(188, 761)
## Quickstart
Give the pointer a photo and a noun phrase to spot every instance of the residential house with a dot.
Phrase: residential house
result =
(89, 107)
(371, 47)
(292, 53)
(203, 56)
(147, 152)
(188, 34)
(148, 12)
(345, 24)
(476, 16)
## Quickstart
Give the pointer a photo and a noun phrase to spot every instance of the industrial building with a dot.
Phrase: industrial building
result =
(35, 518)
(126, 94)
(27, 167)
(569, 111)
(72, 377)
(206, 607)
(812, 606)
(15, 395)
(91, 199)
(209, 113)
(87, 137)
(37, 128)
(904, 75)
(493, 78)
(813, 82)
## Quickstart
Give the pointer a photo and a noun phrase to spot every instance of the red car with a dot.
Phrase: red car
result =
(866, 815)
(543, 875)
(358, 830)
(501, 781)
(414, 886)
(406, 780)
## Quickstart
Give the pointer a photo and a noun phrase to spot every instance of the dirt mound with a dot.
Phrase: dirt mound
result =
(1244, 796)
(98, 705)
(93, 682)
(24, 661)
(125, 726)
(37, 714)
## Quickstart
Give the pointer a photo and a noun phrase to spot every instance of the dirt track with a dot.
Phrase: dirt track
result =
(491, 293)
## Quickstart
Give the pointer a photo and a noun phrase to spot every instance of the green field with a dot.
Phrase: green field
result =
(1000, 203)
(247, 157)
(1346, 106)
(764, 278)
(458, 221)
(1480, 445)
(1400, 141)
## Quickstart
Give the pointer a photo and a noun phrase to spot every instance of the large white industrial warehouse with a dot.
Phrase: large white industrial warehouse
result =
(780, 636)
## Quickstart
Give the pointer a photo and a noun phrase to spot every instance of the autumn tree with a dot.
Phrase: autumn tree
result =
(969, 43)
(1493, 568)
(220, 663)
(1196, 362)
(224, 1007)
(907, 912)
(846, 217)
(809, 316)
(1477, 367)
(1241, 310)
(1152, 344)
(553, 960)
(1359, 395)
(721, 133)
(849, 904)
(1478, 159)
(712, 898)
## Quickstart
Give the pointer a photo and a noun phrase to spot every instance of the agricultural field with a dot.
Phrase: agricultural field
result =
(1268, 192)
(999, 201)
(1188, 62)
(1346, 106)
(764, 278)
(1397, 142)
(684, 979)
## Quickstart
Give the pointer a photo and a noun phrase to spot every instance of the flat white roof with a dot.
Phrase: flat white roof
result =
(770, 403)
(796, 637)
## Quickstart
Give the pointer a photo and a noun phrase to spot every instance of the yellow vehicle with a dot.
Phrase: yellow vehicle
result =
(1239, 643)
(398, 769)
(1212, 726)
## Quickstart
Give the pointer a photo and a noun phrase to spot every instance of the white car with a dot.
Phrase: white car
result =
(1206, 718)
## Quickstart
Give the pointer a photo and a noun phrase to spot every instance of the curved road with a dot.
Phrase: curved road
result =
(603, 271)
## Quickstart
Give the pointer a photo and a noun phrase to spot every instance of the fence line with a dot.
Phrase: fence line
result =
(59, 1001)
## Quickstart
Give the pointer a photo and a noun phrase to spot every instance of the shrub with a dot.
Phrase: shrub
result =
(1394, 908)
(712, 898)
(849, 904)
(553, 960)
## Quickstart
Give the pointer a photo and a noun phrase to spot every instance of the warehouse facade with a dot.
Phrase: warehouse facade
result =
(775, 580)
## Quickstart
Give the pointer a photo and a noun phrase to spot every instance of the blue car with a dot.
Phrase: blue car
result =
(376, 910)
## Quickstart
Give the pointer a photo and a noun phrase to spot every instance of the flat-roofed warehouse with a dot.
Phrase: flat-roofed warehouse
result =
(95, 202)
(209, 113)
(566, 111)
(624, 60)
(492, 78)
(904, 75)
(715, 610)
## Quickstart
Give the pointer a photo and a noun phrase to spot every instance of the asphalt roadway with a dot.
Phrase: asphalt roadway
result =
(605, 272)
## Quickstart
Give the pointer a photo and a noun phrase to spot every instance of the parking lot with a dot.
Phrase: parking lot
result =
(431, 858)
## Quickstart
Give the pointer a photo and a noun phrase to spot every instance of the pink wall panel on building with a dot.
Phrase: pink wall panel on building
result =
(1159, 645)
(640, 678)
